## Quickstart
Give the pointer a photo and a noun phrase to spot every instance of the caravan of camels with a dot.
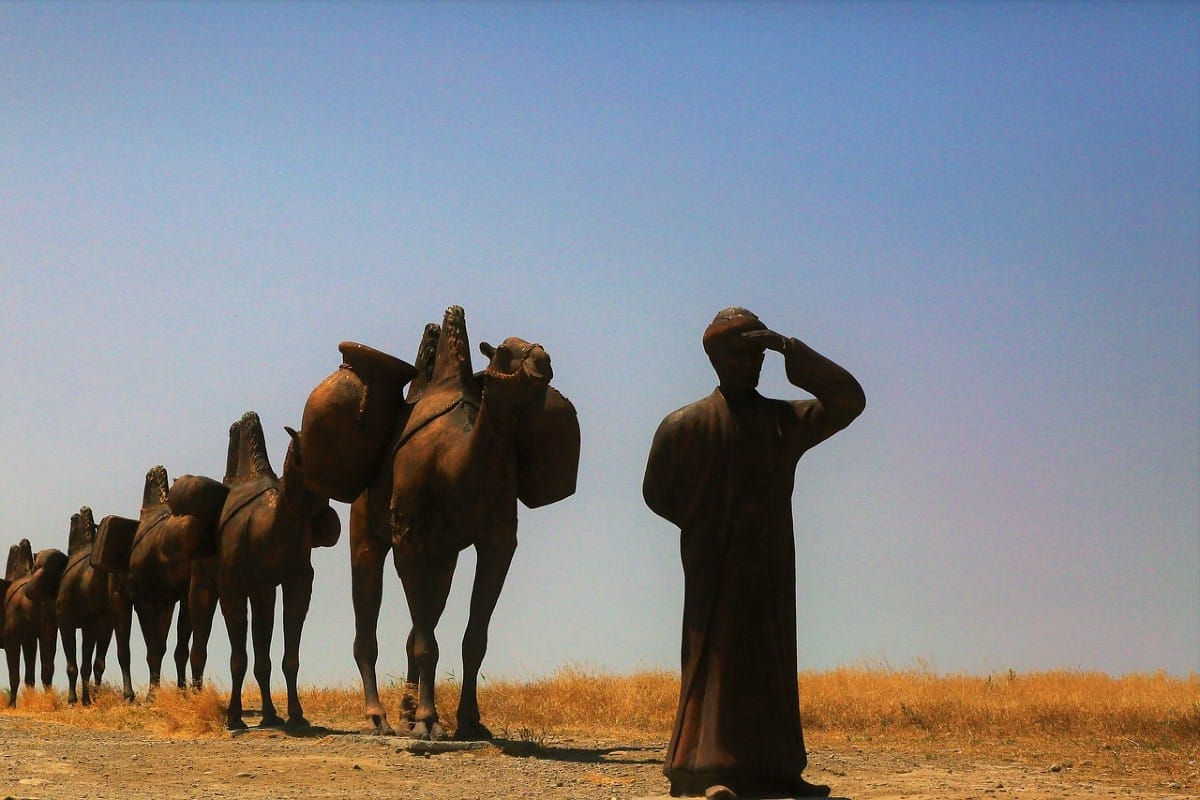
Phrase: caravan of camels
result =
(433, 456)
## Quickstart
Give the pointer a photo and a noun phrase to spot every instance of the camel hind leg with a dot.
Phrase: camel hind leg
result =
(88, 635)
(122, 628)
(262, 626)
(12, 653)
(202, 606)
(491, 568)
(367, 555)
(233, 609)
(297, 594)
(183, 641)
(67, 633)
(104, 635)
(155, 621)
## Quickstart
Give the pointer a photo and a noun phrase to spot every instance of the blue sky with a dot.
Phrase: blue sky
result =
(989, 213)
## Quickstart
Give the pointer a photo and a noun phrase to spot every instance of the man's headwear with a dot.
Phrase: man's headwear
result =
(730, 321)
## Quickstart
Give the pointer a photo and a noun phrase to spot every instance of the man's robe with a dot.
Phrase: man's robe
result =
(723, 472)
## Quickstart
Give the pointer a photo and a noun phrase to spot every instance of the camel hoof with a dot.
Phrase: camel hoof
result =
(426, 731)
(472, 732)
(235, 724)
(271, 721)
(297, 723)
(378, 725)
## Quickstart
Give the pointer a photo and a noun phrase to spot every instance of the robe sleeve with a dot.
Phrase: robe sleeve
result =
(839, 397)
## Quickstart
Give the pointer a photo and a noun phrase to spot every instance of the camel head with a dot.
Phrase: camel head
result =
(20, 561)
(516, 370)
(83, 530)
(155, 492)
(48, 569)
(323, 523)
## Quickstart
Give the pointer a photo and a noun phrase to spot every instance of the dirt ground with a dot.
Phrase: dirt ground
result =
(47, 760)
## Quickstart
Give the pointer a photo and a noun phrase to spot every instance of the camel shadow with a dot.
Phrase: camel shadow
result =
(630, 754)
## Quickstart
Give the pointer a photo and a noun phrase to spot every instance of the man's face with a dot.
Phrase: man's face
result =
(738, 362)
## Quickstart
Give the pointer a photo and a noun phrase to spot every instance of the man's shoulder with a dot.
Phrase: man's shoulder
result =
(694, 411)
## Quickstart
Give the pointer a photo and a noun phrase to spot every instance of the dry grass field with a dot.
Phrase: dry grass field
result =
(1141, 730)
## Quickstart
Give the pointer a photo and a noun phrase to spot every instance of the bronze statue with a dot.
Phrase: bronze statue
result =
(722, 469)
(167, 561)
(463, 449)
(31, 584)
(269, 526)
(83, 604)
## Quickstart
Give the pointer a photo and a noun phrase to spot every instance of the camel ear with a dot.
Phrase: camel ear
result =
(487, 350)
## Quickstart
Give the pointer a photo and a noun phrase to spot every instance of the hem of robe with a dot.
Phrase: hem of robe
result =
(694, 783)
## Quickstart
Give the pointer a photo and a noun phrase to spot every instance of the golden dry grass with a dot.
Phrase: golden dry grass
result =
(1137, 726)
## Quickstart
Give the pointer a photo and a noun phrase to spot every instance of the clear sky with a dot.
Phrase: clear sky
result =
(988, 212)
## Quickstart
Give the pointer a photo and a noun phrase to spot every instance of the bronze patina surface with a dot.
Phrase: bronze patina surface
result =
(722, 469)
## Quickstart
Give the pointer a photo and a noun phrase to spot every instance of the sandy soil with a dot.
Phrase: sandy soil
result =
(47, 760)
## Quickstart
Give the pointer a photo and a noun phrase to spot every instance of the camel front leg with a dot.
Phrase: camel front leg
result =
(491, 568)
(367, 554)
(426, 581)
(262, 625)
(233, 609)
(297, 594)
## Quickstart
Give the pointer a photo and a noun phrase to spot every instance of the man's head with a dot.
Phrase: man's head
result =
(736, 360)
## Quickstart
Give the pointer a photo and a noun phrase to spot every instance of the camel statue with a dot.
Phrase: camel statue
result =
(269, 526)
(83, 604)
(170, 562)
(465, 448)
(29, 626)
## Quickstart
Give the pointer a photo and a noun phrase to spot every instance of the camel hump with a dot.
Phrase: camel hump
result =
(114, 543)
(154, 493)
(547, 442)
(452, 359)
(20, 561)
(82, 531)
(197, 496)
(426, 353)
(251, 447)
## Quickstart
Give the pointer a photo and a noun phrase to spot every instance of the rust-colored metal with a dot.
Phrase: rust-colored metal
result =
(268, 528)
(169, 562)
(722, 470)
(83, 604)
(30, 628)
(466, 447)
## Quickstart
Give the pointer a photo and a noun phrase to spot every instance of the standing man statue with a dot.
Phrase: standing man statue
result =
(722, 469)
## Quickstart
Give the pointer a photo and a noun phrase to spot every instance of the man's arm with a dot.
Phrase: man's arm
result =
(840, 398)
